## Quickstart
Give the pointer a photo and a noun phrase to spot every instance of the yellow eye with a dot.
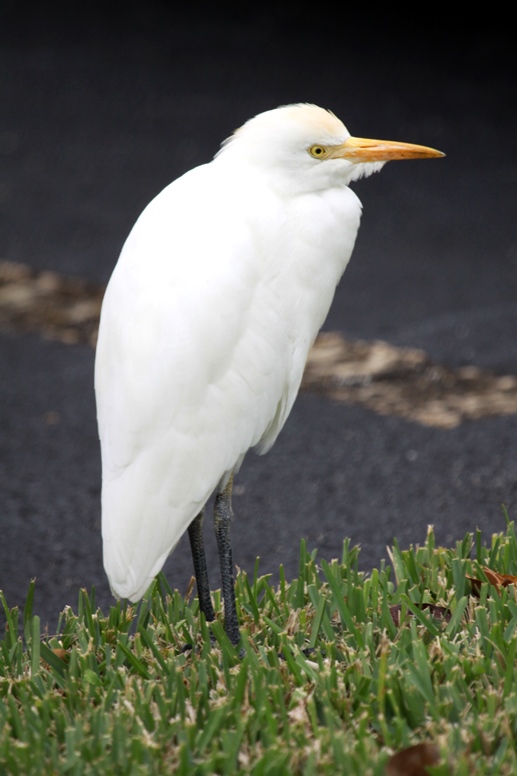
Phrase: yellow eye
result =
(318, 152)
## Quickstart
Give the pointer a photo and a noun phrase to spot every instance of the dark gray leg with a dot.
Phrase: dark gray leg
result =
(223, 515)
(197, 545)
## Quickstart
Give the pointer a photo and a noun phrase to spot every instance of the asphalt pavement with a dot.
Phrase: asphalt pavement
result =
(100, 111)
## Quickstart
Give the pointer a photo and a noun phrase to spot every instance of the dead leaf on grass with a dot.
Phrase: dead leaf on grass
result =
(413, 761)
(62, 654)
(497, 580)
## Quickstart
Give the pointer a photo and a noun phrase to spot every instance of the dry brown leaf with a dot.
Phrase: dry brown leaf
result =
(413, 761)
(62, 654)
(495, 579)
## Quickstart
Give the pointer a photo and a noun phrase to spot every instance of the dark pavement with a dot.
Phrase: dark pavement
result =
(98, 113)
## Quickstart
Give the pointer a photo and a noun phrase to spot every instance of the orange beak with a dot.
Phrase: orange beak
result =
(360, 149)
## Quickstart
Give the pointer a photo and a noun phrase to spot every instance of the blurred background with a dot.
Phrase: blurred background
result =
(101, 106)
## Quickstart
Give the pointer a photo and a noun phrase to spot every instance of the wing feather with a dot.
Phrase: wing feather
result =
(205, 329)
(188, 373)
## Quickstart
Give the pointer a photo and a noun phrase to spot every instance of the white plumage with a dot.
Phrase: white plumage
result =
(219, 292)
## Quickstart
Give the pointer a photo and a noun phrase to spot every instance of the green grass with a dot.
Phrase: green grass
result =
(326, 681)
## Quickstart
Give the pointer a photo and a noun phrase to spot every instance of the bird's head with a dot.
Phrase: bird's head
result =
(307, 148)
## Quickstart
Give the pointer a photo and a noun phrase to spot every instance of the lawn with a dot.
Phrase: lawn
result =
(337, 672)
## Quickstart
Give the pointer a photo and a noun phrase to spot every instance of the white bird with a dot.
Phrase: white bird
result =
(218, 294)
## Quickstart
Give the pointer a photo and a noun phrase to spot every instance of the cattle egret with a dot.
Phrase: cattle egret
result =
(218, 294)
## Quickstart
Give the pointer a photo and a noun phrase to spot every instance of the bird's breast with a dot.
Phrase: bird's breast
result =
(309, 256)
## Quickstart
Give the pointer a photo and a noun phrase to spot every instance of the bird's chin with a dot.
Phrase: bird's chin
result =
(363, 170)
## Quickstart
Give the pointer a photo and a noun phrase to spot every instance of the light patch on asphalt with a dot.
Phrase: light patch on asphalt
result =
(51, 305)
(376, 375)
(405, 382)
